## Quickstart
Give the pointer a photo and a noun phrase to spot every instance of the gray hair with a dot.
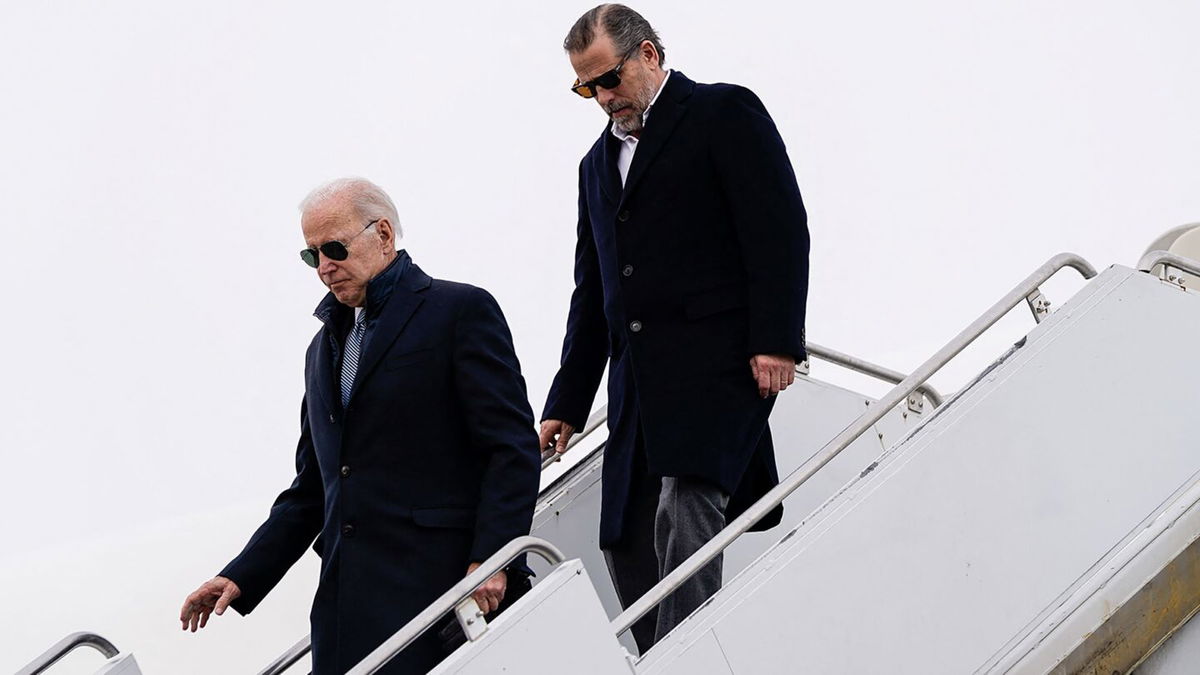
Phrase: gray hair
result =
(368, 199)
(625, 27)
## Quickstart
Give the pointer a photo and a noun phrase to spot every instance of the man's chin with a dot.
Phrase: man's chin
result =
(346, 296)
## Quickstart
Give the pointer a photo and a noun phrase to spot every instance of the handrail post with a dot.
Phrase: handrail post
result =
(450, 599)
(1168, 259)
(831, 449)
(65, 646)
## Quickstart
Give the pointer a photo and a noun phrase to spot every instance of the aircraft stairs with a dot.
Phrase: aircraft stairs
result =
(1043, 519)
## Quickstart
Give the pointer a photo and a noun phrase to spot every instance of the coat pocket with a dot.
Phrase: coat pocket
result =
(394, 361)
(447, 516)
(715, 301)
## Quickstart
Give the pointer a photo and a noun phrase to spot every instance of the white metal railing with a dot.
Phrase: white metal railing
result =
(65, 646)
(867, 420)
(1168, 259)
(451, 599)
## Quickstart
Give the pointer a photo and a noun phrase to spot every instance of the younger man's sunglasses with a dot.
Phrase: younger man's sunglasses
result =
(609, 80)
(334, 250)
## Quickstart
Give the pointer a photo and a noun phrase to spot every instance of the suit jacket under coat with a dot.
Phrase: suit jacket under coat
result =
(698, 263)
(433, 464)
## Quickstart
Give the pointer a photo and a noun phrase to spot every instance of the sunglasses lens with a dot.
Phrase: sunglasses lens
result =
(609, 80)
(335, 250)
(309, 256)
(583, 90)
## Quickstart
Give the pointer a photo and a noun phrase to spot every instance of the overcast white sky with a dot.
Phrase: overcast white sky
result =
(157, 311)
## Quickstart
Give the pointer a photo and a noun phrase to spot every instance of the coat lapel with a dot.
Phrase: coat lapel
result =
(664, 116)
(404, 301)
(326, 353)
(606, 166)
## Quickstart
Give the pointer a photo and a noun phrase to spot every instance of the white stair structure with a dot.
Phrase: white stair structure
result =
(1043, 520)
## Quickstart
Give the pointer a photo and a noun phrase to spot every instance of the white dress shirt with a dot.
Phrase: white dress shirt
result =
(629, 141)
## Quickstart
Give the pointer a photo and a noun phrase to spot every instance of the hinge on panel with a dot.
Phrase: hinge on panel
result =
(470, 617)
(803, 367)
(1038, 304)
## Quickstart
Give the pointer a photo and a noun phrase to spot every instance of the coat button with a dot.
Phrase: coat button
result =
(332, 419)
(347, 530)
(635, 326)
(623, 216)
(627, 270)
(346, 471)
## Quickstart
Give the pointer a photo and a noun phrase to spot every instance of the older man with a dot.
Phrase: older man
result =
(417, 458)
(691, 272)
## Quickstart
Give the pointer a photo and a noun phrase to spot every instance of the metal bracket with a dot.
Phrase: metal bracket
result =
(803, 367)
(1038, 304)
(1173, 277)
(916, 403)
(470, 617)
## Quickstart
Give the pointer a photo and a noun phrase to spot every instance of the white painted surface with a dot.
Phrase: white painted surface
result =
(122, 664)
(974, 531)
(558, 627)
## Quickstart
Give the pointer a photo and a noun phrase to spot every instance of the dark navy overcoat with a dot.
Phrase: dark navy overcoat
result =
(697, 264)
(433, 464)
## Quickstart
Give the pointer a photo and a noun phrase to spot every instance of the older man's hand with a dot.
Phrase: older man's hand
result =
(555, 434)
(489, 595)
(772, 372)
(212, 596)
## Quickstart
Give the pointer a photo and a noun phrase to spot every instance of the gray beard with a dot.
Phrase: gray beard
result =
(631, 124)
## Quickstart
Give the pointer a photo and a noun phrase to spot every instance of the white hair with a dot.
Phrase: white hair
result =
(367, 198)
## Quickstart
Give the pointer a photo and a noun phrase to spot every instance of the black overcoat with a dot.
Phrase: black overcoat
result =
(697, 264)
(433, 464)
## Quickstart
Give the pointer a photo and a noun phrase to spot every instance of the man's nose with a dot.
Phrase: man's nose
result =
(604, 96)
(326, 266)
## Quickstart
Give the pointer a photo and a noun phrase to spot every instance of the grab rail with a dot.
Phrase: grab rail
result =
(1167, 259)
(865, 421)
(66, 646)
(451, 598)
(289, 658)
(597, 418)
(867, 368)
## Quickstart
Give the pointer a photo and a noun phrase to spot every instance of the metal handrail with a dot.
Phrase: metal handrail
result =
(867, 368)
(1166, 258)
(66, 646)
(597, 418)
(451, 598)
(289, 658)
(831, 449)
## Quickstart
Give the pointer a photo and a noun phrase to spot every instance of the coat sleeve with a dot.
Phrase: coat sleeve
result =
(293, 523)
(585, 347)
(499, 424)
(770, 222)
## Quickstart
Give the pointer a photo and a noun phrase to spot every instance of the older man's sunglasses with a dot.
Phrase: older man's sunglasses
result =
(334, 250)
(609, 80)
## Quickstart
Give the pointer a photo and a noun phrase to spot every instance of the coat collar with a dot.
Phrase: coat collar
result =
(392, 298)
(668, 110)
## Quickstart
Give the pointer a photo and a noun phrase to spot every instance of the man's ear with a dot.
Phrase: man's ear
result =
(387, 234)
(650, 54)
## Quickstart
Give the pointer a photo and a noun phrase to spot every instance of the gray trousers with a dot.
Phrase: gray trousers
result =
(668, 520)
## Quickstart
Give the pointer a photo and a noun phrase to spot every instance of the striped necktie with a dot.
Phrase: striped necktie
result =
(350, 355)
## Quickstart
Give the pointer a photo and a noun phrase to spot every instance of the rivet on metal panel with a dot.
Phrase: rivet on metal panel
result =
(1038, 304)
(803, 367)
